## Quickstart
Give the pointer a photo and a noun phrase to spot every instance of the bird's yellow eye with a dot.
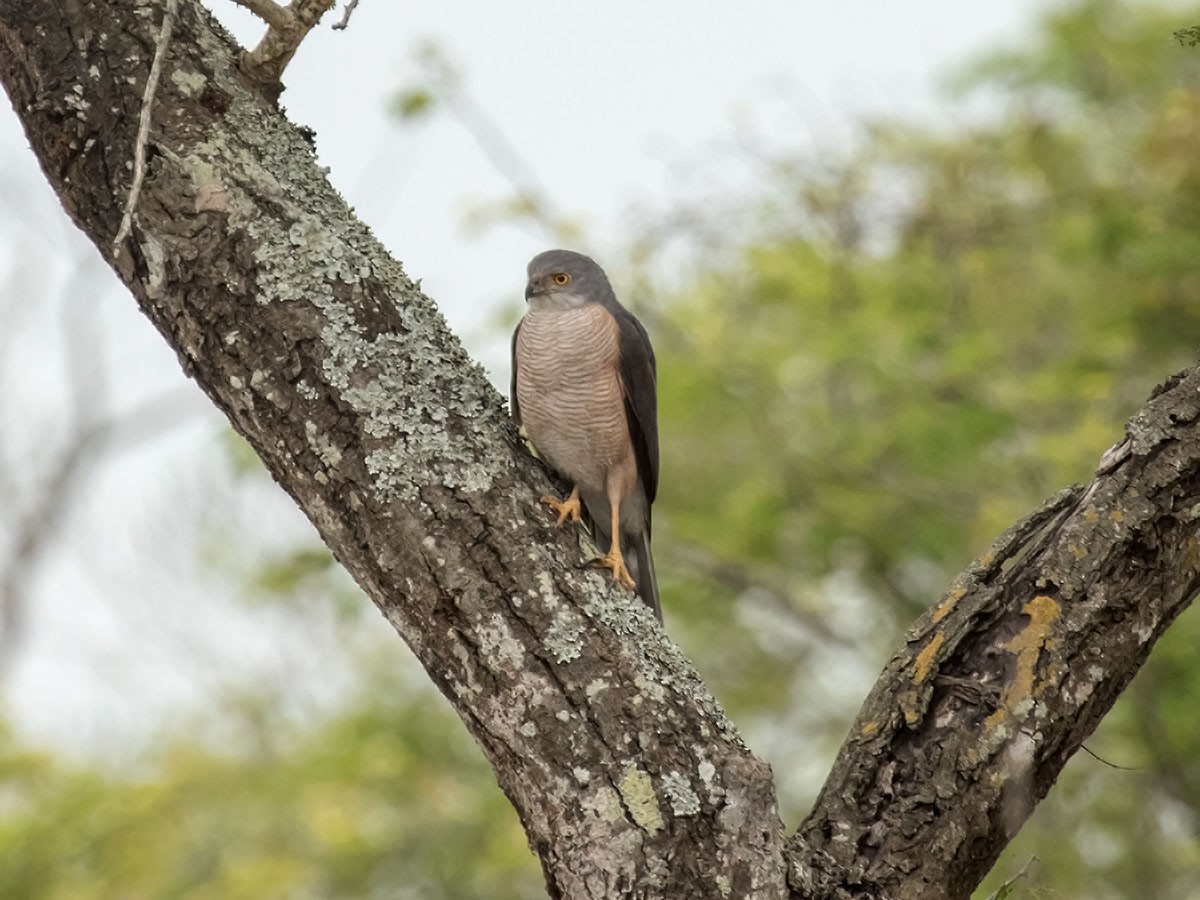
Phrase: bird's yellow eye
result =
(561, 278)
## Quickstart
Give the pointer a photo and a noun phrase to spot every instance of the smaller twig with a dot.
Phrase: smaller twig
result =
(341, 26)
(758, 586)
(530, 202)
(272, 13)
(1005, 889)
(1112, 765)
(287, 27)
(143, 135)
(41, 521)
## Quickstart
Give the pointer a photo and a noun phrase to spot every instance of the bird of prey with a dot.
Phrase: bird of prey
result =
(584, 389)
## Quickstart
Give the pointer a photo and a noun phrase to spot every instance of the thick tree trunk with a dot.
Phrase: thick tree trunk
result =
(627, 776)
(288, 313)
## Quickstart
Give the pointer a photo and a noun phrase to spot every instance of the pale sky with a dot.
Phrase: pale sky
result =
(612, 105)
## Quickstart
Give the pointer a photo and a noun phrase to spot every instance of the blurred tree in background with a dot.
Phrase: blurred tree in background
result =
(924, 338)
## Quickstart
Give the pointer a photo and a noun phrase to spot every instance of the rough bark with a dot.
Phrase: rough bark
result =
(999, 683)
(627, 776)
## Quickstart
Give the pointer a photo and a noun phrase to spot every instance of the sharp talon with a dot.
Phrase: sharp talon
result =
(615, 564)
(567, 509)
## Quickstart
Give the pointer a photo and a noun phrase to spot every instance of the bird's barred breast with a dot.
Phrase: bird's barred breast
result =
(569, 390)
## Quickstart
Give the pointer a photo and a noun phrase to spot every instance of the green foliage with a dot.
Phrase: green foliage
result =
(959, 328)
(284, 575)
(371, 804)
(911, 402)
(414, 103)
(243, 461)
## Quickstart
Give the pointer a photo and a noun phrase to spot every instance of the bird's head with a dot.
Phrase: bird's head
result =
(563, 279)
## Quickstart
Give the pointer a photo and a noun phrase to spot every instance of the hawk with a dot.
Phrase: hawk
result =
(584, 388)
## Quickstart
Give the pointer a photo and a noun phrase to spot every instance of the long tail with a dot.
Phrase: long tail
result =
(642, 571)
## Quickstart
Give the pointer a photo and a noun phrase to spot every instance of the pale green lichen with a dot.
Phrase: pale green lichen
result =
(678, 789)
(497, 643)
(637, 790)
(327, 451)
(545, 581)
(403, 384)
(564, 637)
(605, 803)
(467, 665)
(651, 688)
(188, 82)
(663, 666)
(707, 772)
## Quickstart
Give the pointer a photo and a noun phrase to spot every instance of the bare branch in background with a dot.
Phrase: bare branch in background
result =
(1005, 890)
(756, 586)
(345, 20)
(532, 201)
(36, 528)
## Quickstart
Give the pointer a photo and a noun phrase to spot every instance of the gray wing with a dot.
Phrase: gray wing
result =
(512, 386)
(639, 375)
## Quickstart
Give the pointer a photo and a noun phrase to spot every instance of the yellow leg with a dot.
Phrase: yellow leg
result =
(613, 560)
(568, 509)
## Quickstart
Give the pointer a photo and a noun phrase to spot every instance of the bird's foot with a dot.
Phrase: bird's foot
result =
(614, 563)
(567, 509)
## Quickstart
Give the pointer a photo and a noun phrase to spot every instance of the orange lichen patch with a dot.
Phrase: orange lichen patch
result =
(925, 658)
(1026, 645)
(1190, 557)
(995, 718)
(1117, 516)
(1091, 516)
(1077, 551)
(986, 559)
(869, 729)
(952, 597)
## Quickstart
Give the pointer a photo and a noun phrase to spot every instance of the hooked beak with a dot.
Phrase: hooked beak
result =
(532, 290)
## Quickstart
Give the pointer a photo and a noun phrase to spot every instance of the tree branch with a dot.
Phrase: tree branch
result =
(287, 27)
(343, 23)
(40, 521)
(627, 776)
(999, 684)
(272, 14)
